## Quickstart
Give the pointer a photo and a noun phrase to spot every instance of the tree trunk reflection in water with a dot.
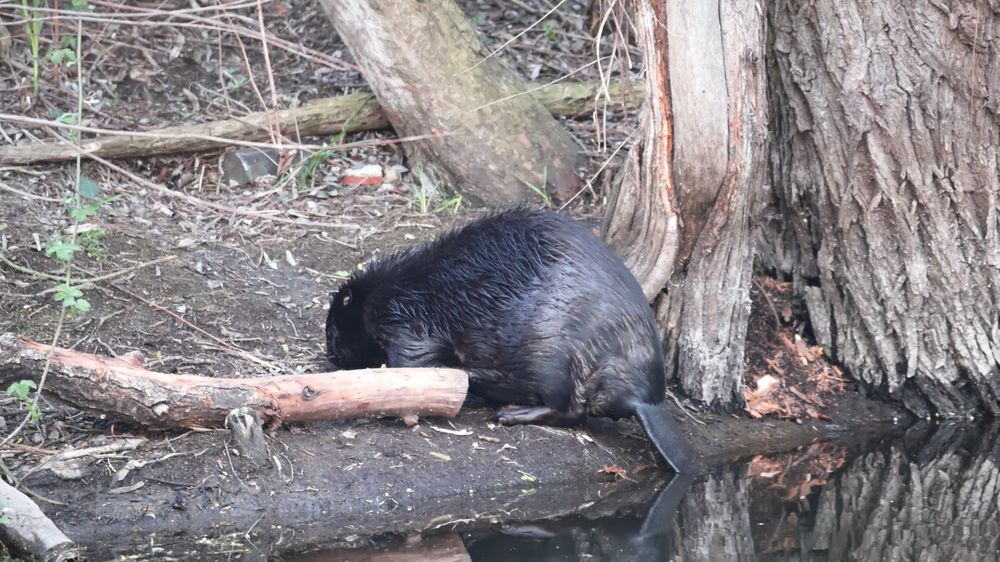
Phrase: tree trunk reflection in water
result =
(932, 495)
(915, 501)
(714, 522)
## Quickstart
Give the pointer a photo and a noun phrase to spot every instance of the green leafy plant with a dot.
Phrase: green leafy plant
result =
(62, 250)
(22, 390)
(80, 206)
(72, 298)
(90, 241)
(31, 13)
(63, 56)
(549, 28)
(541, 192)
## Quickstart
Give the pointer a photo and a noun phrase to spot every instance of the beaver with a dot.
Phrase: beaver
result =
(543, 316)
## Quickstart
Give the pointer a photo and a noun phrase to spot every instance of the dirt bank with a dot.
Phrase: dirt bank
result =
(338, 482)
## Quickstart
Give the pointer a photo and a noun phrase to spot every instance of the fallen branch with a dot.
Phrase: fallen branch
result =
(28, 530)
(354, 112)
(121, 388)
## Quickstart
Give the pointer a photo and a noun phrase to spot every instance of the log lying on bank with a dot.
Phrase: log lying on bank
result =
(121, 388)
(355, 112)
(28, 531)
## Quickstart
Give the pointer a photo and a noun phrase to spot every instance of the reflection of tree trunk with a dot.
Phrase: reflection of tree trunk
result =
(936, 502)
(884, 166)
(680, 216)
(715, 520)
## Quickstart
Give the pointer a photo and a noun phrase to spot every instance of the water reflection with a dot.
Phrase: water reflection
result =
(929, 495)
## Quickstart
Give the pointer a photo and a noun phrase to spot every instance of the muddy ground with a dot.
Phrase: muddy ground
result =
(242, 284)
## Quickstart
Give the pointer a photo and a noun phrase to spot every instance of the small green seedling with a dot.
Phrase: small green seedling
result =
(549, 28)
(72, 299)
(307, 171)
(540, 191)
(63, 56)
(22, 390)
(424, 191)
(308, 168)
(451, 204)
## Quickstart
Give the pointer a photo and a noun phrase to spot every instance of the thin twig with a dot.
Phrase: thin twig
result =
(28, 270)
(152, 135)
(270, 72)
(514, 38)
(683, 408)
(201, 203)
(770, 303)
(115, 274)
(88, 281)
(590, 182)
(236, 349)
(26, 195)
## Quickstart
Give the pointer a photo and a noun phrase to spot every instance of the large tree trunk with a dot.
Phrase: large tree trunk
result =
(885, 171)
(431, 76)
(680, 216)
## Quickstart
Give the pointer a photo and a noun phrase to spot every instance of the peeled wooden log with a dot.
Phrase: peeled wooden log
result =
(355, 112)
(120, 387)
(28, 531)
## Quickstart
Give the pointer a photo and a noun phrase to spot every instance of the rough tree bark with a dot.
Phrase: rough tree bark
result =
(680, 216)
(431, 75)
(885, 174)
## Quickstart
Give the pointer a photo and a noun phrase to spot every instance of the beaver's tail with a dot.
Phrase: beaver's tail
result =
(664, 432)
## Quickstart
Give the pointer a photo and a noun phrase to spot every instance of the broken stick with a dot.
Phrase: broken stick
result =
(355, 112)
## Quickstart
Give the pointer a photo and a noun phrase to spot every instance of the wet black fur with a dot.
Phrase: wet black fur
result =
(536, 308)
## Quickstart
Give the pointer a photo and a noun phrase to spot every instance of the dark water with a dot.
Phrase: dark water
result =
(928, 495)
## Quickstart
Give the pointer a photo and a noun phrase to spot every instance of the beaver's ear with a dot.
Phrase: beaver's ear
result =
(345, 297)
